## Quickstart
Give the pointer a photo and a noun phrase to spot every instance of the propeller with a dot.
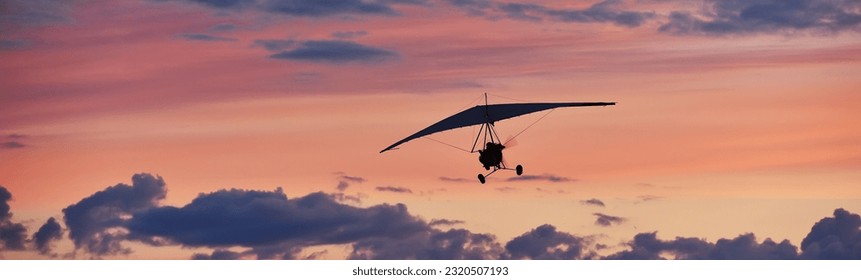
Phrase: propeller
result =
(511, 142)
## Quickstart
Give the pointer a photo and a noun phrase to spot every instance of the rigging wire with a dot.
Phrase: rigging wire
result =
(485, 136)
(447, 144)
(530, 125)
(473, 129)
(470, 103)
(509, 98)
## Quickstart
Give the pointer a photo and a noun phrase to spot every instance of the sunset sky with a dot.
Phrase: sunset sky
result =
(252, 129)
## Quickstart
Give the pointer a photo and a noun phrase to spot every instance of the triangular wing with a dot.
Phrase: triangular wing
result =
(490, 113)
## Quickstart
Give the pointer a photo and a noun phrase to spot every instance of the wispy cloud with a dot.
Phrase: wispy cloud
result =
(347, 198)
(34, 13)
(12, 145)
(206, 37)
(393, 189)
(336, 51)
(455, 180)
(13, 45)
(647, 198)
(14, 142)
(346, 35)
(544, 177)
(593, 201)
(444, 222)
(605, 220)
(354, 179)
(275, 44)
(345, 180)
(608, 11)
(223, 27)
(304, 8)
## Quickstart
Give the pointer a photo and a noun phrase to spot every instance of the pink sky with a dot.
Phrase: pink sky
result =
(751, 129)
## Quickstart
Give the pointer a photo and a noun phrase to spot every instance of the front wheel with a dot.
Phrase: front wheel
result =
(519, 169)
(481, 178)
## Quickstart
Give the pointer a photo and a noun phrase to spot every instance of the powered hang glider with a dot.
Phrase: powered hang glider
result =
(485, 116)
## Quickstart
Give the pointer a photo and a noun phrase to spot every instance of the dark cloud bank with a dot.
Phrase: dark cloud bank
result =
(269, 225)
(13, 236)
(47, 233)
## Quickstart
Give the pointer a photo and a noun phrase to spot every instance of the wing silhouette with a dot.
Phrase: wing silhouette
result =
(490, 114)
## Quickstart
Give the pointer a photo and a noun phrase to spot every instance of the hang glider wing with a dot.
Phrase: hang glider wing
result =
(490, 114)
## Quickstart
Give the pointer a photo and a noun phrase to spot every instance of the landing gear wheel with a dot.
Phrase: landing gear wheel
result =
(481, 178)
(519, 169)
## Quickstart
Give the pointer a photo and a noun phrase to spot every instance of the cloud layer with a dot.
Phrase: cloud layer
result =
(608, 11)
(269, 225)
(336, 51)
(646, 246)
(454, 244)
(206, 38)
(546, 243)
(301, 8)
(260, 218)
(766, 16)
(718, 17)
